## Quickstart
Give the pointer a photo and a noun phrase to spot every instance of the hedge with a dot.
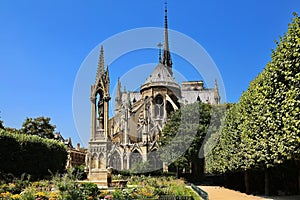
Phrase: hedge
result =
(20, 153)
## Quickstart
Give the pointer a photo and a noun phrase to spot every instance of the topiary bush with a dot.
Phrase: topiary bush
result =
(20, 153)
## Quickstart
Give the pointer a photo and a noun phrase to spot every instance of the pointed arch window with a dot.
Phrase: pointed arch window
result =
(159, 106)
(198, 99)
(94, 161)
(135, 158)
(115, 161)
(101, 162)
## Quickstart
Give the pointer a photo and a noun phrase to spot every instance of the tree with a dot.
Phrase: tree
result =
(266, 125)
(39, 126)
(1, 124)
(183, 135)
(271, 128)
(225, 154)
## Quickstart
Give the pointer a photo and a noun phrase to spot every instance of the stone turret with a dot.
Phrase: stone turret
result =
(98, 145)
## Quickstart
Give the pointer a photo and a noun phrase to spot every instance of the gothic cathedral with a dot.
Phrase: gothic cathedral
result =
(130, 136)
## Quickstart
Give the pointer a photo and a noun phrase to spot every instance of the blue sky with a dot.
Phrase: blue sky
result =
(44, 43)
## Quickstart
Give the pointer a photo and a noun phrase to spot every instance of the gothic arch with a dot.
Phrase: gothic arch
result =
(101, 163)
(159, 106)
(154, 160)
(169, 107)
(159, 99)
(135, 157)
(100, 109)
(94, 160)
(115, 161)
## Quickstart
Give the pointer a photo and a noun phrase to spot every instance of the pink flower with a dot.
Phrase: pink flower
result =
(108, 197)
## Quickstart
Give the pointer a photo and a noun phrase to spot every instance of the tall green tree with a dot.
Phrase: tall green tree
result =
(39, 126)
(223, 147)
(183, 135)
(266, 125)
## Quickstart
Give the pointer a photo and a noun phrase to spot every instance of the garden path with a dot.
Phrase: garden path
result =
(221, 193)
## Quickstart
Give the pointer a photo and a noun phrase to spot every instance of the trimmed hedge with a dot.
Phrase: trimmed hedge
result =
(20, 153)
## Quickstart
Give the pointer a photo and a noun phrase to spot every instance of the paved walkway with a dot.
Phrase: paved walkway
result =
(221, 193)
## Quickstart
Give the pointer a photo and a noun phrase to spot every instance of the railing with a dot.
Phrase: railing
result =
(201, 192)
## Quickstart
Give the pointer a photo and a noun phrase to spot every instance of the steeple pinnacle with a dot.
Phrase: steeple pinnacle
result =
(216, 93)
(167, 61)
(118, 99)
(100, 70)
(119, 91)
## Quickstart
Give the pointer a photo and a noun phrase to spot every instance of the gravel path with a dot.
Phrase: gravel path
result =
(221, 193)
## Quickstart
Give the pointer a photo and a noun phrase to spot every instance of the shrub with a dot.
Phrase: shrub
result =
(79, 172)
(33, 155)
(90, 189)
(68, 187)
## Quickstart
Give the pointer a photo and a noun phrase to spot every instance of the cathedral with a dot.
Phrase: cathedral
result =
(130, 136)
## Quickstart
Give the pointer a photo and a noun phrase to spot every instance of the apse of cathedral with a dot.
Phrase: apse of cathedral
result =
(131, 135)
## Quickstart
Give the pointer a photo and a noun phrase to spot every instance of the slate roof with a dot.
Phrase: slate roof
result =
(160, 74)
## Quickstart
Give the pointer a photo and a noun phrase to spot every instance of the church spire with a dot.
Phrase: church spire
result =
(167, 61)
(100, 70)
(119, 89)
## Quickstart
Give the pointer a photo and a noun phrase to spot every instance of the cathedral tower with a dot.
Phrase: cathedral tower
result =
(130, 136)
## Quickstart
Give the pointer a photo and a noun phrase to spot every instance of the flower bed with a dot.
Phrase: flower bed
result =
(142, 187)
(67, 188)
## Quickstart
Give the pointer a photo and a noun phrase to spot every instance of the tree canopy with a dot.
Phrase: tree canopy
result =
(39, 126)
(183, 135)
(263, 129)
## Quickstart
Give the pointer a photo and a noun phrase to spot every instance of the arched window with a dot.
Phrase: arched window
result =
(159, 106)
(101, 162)
(198, 99)
(115, 161)
(154, 160)
(94, 161)
(135, 158)
(100, 110)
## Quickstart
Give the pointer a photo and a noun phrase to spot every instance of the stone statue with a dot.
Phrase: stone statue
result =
(101, 113)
